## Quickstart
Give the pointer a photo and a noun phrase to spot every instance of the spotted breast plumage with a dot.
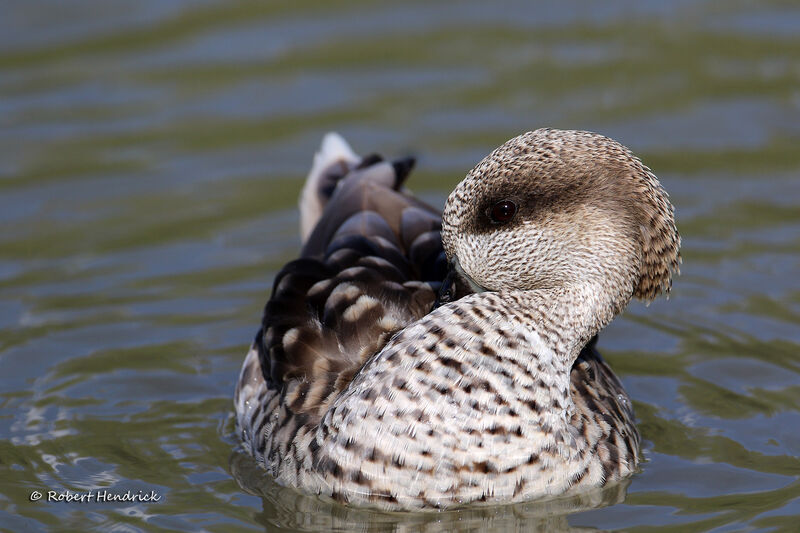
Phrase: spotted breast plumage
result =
(412, 360)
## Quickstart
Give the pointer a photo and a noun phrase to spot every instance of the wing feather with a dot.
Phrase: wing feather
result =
(370, 266)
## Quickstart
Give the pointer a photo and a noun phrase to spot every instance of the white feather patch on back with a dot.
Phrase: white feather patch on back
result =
(334, 151)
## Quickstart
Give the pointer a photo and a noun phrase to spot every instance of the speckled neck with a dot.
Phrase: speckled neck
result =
(567, 317)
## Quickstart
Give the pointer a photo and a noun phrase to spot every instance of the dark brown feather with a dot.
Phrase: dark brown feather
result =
(371, 266)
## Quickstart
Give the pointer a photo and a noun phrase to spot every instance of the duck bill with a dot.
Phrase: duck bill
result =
(455, 285)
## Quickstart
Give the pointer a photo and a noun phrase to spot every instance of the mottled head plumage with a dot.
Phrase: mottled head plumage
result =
(586, 209)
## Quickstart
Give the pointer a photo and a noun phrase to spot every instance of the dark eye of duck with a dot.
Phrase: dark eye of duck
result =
(502, 211)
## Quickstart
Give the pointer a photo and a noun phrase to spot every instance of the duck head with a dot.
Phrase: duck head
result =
(555, 209)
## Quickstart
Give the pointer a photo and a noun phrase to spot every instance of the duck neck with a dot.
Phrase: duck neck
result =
(540, 332)
(566, 317)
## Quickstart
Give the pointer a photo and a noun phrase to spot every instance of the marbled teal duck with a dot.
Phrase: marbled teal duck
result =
(363, 386)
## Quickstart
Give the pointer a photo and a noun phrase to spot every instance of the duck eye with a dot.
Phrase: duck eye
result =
(502, 212)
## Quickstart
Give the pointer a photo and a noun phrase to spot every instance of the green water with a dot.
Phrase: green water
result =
(151, 153)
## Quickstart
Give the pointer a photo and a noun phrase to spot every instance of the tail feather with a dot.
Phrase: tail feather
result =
(332, 162)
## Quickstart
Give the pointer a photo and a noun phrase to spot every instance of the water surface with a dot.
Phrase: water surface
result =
(151, 154)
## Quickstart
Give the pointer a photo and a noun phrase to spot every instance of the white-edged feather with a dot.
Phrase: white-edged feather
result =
(335, 156)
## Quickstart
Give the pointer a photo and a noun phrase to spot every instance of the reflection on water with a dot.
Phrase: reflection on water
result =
(151, 154)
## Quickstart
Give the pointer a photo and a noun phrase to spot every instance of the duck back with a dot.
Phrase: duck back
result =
(371, 264)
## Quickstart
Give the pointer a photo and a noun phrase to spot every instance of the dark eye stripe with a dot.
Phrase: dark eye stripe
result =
(502, 211)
